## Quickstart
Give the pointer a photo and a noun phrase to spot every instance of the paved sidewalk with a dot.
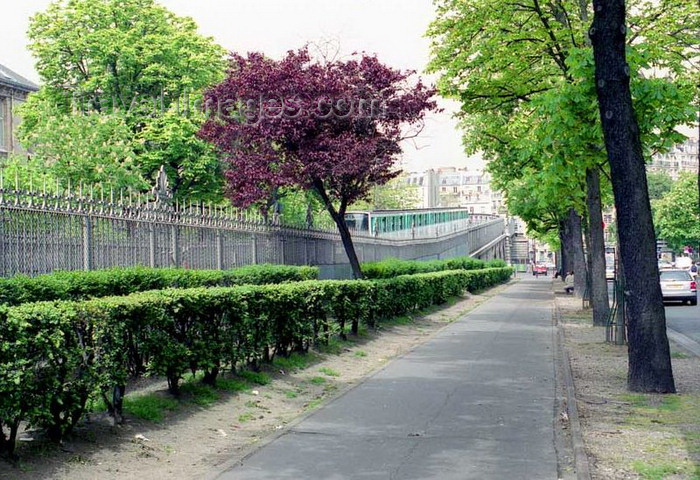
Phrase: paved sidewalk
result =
(474, 402)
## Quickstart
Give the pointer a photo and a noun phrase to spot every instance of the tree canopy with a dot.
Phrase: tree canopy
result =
(332, 126)
(676, 214)
(132, 65)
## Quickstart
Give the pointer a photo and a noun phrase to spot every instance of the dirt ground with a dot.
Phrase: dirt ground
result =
(631, 436)
(192, 440)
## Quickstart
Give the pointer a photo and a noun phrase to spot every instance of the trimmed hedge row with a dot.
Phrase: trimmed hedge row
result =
(394, 267)
(80, 285)
(54, 356)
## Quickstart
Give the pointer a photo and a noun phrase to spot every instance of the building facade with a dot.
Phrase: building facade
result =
(427, 183)
(681, 158)
(458, 187)
(14, 90)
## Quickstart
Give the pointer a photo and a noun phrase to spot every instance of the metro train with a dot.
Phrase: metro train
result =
(382, 221)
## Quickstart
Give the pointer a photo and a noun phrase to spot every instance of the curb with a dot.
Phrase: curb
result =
(583, 471)
(684, 341)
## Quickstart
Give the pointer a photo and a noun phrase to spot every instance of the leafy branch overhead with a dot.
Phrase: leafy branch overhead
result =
(523, 72)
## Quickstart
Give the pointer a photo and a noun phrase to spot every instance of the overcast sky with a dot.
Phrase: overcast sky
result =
(393, 29)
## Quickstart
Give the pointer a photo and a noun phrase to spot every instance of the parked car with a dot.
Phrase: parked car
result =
(664, 265)
(683, 263)
(678, 285)
(610, 272)
(539, 269)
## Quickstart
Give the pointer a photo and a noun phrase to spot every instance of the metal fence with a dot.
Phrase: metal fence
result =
(41, 232)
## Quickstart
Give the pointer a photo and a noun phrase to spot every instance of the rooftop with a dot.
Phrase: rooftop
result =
(15, 80)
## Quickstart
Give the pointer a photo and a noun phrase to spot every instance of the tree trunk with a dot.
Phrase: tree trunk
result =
(596, 249)
(566, 256)
(349, 246)
(339, 219)
(649, 356)
(579, 260)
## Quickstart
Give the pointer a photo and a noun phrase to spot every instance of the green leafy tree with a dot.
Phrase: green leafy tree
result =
(659, 184)
(676, 215)
(396, 194)
(85, 148)
(524, 70)
(139, 63)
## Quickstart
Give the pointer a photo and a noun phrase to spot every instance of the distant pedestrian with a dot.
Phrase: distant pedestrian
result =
(569, 281)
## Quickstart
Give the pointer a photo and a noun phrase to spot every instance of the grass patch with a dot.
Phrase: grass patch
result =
(318, 381)
(290, 394)
(329, 371)
(151, 407)
(295, 361)
(652, 404)
(200, 393)
(315, 403)
(232, 385)
(679, 355)
(258, 378)
(334, 346)
(360, 353)
(246, 417)
(658, 472)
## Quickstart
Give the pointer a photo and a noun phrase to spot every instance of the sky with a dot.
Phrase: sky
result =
(391, 29)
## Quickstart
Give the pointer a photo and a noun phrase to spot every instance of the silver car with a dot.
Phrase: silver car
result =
(678, 285)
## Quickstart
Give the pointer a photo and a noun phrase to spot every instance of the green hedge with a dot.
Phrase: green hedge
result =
(54, 356)
(80, 285)
(393, 267)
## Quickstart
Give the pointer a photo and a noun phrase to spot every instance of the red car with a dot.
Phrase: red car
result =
(538, 270)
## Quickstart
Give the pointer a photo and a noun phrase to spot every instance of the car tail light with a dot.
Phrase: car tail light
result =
(693, 285)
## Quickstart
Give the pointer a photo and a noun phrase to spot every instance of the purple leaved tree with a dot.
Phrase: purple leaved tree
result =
(333, 126)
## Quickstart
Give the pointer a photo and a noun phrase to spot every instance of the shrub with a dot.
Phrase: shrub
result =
(393, 267)
(55, 356)
(81, 285)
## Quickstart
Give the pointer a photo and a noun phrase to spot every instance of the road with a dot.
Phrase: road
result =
(474, 402)
(680, 318)
(684, 319)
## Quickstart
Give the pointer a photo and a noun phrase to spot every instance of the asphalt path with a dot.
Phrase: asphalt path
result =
(474, 402)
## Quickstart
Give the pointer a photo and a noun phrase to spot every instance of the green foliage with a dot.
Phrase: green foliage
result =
(121, 95)
(329, 371)
(396, 194)
(150, 406)
(78, 285)
(523, 73)
(55, 356)
(393, 267)
(677, 214)
(258, 378)
(295, 361)
(659, 184)
(81, 148)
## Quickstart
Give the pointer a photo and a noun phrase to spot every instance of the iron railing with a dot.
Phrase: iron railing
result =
(42, 231)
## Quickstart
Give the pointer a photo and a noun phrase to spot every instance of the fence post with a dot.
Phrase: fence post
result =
(87, 243)
(281, 248)
(219, 250)
(254, 243)
(152, 245)
(175, 246)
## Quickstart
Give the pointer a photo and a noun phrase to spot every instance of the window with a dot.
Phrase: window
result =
(3, 126)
